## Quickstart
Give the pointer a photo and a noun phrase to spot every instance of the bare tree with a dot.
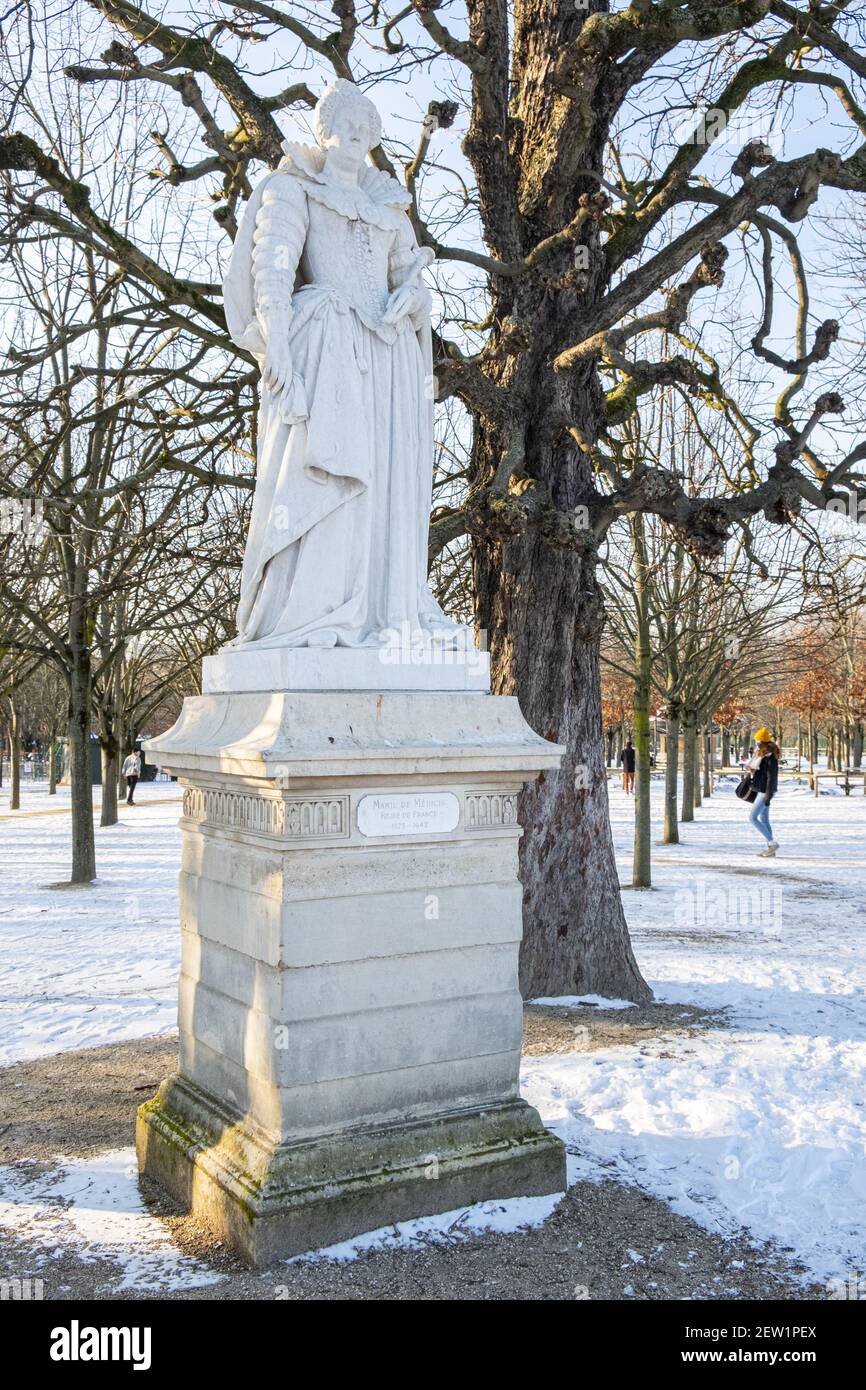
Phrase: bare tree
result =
(603, 227)
(110, 454)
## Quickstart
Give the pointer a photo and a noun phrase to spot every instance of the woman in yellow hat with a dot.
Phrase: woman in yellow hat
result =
(764, 768)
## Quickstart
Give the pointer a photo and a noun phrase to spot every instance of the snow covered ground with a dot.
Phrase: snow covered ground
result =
(93, 1207)
(760, 1125)
(83, 966)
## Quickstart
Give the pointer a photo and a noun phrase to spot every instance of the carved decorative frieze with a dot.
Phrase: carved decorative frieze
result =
(320, 815)
(487, 810)
(297, 818)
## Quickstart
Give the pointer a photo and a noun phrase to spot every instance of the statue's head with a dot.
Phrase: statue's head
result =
(347, 120)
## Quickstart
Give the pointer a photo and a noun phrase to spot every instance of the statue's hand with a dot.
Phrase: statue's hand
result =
(407, 301)
(278, 376)
(277, 366)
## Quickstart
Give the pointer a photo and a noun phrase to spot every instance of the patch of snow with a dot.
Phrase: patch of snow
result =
(506, 1216)
(597, 1001)
(93, 1207)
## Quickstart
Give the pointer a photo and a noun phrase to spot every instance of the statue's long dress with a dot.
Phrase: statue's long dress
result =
(337, 548)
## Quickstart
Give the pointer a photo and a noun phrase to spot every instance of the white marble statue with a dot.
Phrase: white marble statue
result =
(325, 289)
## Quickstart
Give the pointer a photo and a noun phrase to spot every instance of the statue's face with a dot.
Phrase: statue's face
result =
(350, 134)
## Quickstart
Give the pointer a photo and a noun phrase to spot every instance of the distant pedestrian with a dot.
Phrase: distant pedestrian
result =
(627, 757)
(131, 771)
(764, 769)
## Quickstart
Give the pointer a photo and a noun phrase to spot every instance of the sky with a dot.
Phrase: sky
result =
(178, 220)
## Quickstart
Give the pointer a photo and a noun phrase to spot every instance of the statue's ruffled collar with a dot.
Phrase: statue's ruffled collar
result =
(378, 198)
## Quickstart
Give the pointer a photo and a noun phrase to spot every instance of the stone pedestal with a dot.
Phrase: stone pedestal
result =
(350, 1023)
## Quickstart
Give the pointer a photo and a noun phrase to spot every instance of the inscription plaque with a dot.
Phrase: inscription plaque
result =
(408, 813)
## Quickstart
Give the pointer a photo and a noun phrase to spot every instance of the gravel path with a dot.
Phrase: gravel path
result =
(604, 1241)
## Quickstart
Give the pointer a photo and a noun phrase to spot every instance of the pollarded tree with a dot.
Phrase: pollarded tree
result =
(602, 227)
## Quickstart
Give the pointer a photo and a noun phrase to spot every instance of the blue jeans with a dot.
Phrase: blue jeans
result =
(760, 817)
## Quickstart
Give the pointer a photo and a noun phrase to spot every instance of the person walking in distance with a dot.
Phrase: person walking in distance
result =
(627, 757)
(764, 768)
(131, 771)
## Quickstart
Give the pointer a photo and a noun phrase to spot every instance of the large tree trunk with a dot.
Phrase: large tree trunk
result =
(708, 763)
(575, 938)
(537, 593)
(542, 609)
(81, 776)
(671, 833)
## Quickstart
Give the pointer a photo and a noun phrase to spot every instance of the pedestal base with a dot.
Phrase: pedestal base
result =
(345, 668)
(272, 1201)
(350, 1022)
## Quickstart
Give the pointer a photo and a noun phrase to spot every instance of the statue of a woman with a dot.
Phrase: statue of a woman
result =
(325, 289)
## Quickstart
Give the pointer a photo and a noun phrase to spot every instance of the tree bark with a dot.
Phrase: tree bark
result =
(708, 763)
(847, 742)
(52, 760)
(696, 789)
(575, 938)
(109, 755)
(126, 746)
(109, 762)
(541, 606)
(81, 776)
(641, 875)
(688, 802)
(671, 833)
(14, 756)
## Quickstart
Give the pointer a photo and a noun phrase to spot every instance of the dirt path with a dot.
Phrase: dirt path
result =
(604, 1241)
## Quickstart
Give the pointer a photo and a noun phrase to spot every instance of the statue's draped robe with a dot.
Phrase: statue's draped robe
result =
(337, 547)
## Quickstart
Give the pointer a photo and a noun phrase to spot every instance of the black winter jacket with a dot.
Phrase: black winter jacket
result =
(766, 779)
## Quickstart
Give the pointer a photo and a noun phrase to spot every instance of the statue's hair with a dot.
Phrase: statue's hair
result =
(340, 95)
